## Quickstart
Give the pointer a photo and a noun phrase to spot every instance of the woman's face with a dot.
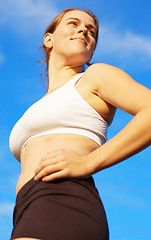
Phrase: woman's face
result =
(74, 38)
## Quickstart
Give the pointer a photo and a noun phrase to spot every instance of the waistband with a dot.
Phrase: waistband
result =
(32, 183)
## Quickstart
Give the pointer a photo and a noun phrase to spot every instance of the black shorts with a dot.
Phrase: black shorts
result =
(66, 209)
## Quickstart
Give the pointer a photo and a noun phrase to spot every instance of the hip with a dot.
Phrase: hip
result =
(60, 203)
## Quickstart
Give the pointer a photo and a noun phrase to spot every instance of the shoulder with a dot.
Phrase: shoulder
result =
(118, 88)
(100, 67)
(103, 76)
(100, 71)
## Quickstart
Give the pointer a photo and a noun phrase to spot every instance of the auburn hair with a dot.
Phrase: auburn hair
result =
(54, 24)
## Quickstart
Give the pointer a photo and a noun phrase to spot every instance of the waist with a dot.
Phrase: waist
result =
(36, 148)
(99, 139)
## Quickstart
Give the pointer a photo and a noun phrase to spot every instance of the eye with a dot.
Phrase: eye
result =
(92, 33)
(74, 23)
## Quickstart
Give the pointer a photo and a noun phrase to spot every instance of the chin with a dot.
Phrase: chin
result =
(80, 57)
(77, 62)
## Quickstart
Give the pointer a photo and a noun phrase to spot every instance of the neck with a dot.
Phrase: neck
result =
(60, 73)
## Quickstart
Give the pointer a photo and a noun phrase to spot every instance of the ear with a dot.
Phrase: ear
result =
(48, 40)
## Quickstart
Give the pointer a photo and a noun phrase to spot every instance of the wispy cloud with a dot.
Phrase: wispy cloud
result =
(124, 45)
(31, 17)
(24, 15)
(6, 209)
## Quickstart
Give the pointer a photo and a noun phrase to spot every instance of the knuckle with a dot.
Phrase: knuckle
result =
(41, 164)
(46, 171)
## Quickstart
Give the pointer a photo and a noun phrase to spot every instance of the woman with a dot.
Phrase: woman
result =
(61, 139)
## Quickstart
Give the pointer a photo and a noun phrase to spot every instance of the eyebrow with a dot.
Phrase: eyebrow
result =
(89, 25)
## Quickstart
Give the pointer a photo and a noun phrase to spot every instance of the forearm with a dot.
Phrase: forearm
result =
(132, 139)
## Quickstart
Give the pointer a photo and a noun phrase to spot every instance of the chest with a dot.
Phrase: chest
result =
(89, 94)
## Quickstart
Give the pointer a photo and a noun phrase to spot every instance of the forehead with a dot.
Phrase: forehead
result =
(83, 16)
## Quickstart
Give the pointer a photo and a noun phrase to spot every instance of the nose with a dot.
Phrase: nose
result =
(83, 29)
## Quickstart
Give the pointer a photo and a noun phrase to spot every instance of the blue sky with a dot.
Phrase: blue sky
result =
(125, 42)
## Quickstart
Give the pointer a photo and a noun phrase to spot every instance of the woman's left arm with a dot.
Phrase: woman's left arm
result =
(120, 90)
(117, 88)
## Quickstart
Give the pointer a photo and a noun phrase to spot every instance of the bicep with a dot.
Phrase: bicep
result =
(119, 89)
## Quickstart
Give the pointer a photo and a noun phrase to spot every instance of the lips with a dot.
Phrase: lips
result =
(82, 40)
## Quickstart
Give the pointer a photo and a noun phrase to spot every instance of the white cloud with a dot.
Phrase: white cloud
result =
(24, 15)
(33, 16)
(128, 42)
(6, 209)
(124, 45)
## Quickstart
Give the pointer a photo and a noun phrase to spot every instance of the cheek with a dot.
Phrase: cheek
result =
(92, 47)
(63, 33)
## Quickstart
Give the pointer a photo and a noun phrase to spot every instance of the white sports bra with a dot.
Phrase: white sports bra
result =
(62, 111)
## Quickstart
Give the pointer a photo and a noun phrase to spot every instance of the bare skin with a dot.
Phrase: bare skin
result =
(38, 148)
(105, 88)
(43, 151)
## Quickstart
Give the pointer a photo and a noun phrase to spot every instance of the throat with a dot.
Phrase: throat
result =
(59, 81)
